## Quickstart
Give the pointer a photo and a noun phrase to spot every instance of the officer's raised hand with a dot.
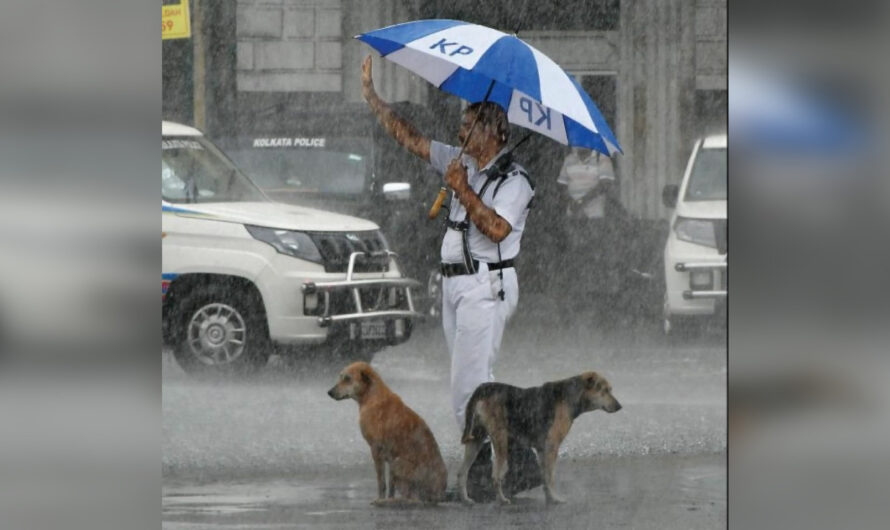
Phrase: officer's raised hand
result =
(368, 91)
(456, 176)
(400, 129)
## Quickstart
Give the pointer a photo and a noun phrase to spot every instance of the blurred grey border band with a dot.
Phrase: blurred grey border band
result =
(80, 253)
(79, 259)
(808, 340)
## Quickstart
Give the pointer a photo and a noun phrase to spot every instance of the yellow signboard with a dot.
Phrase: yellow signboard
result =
(175, 16)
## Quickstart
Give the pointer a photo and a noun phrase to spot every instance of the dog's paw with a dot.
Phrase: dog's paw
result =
(504, 501)
(555, 499)
(382, 501)
(467, 501)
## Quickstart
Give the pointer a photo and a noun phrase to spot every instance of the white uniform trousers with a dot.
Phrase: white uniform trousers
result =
(474, 317)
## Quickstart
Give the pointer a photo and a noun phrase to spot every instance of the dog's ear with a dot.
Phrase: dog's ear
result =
(591, 379)
(572, 391)
(366, 379)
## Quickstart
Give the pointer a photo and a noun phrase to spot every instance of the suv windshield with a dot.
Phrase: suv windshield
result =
(335, 166)
(193, 170)
(708, 179)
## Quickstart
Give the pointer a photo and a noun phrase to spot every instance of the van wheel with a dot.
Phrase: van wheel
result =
(347, 352)
(221, 333)
(680, 330)
(667, 324)
(325, 355)
(433, 297)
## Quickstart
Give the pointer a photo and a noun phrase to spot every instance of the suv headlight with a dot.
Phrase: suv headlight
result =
(699, 231)
(289, 242)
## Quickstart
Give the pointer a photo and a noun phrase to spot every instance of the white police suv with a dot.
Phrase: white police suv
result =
(695, 255)
(242, 274)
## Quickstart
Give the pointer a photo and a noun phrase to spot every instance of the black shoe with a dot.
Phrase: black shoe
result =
(523, 473)
(480, 486)
(452, 496)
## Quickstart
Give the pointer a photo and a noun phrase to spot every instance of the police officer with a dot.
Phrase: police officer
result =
(480, 289)
(485, 224)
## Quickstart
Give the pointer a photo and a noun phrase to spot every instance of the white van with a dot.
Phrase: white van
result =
(241, 273)
(695, 264)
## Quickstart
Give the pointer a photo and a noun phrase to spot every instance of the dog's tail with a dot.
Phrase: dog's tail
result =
(470, 418)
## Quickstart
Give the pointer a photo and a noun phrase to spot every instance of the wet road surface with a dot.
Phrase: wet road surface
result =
(277, 452)
(666, 491)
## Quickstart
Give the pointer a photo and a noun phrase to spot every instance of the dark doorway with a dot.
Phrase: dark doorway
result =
(176, 75)
(710, 111)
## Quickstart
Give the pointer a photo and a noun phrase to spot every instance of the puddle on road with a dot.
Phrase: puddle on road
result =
(235, 498)
(329, 512)
(637, 490)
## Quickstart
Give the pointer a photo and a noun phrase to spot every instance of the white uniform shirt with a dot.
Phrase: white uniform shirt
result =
(580, 175)
(511, 203)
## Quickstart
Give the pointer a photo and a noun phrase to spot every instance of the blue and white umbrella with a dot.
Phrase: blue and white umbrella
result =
(472, 61)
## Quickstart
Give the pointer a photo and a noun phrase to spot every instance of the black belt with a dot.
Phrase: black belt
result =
(459, 226)
(458, 269)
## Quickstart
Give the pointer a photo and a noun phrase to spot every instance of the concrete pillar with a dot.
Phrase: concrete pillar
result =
(199, 70)
(655, 98)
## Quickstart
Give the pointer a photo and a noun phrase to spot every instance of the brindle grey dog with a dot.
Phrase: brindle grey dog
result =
(539, 417)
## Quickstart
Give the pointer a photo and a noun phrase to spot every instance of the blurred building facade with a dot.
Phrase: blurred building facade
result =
(656, 68)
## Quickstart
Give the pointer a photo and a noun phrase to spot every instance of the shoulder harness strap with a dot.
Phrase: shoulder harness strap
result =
(514, 170)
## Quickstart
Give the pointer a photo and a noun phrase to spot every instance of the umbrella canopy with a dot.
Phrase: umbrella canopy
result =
(465, 59)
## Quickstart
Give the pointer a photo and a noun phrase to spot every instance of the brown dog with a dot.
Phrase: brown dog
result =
(400, 440)
(539, 417)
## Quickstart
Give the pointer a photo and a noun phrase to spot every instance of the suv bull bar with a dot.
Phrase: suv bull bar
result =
(709, 267)
(325, 289)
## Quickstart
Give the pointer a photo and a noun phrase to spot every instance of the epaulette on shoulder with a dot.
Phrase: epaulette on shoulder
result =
(518, 170)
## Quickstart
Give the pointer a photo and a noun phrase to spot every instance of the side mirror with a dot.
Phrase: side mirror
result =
(670, 194)
(397, 191)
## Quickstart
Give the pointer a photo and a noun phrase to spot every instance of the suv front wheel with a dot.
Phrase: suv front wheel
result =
(221, 333)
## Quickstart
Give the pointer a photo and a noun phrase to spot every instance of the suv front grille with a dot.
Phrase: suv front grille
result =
(336, 247)
(372, 298)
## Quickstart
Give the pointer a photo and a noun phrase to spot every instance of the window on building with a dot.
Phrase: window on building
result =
(506, 15)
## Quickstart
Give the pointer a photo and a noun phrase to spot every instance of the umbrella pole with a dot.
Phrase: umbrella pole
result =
(443, 191)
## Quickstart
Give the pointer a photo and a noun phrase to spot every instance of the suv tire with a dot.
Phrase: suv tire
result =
(220, 333)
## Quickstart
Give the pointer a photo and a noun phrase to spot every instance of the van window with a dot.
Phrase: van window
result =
(708, 179)
(193, 170)
(340, 166)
